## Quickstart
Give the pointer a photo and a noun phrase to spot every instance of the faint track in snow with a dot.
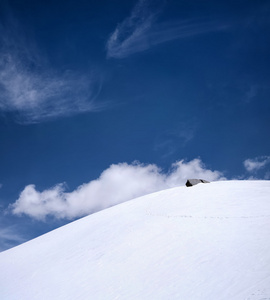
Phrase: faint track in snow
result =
(208, 217)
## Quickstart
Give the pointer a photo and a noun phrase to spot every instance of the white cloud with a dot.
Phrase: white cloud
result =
(32, 89)
(255, 164)
(118, 183)
(139, 31)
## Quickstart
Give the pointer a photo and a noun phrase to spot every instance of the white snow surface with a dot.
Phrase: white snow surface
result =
(210, 241)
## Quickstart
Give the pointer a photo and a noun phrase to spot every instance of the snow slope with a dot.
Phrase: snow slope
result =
(210, 241)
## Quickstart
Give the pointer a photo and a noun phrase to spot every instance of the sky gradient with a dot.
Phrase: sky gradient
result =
(103, 101)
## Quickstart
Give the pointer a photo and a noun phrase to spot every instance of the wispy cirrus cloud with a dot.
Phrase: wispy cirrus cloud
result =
(169, 141)
(117, 184)
(33, 90)
(140, 31)
(9, 237)
(257, 163)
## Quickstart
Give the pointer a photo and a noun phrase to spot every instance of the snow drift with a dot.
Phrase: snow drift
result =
(211, 241)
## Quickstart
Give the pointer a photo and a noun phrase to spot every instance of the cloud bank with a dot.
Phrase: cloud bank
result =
(32, 90)
(139, 31)
(255, 164)
(119, 183)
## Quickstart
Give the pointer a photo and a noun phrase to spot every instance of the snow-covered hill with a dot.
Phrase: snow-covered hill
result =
(210, 241)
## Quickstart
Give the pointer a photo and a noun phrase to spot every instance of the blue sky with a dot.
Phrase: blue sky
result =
(102, 101)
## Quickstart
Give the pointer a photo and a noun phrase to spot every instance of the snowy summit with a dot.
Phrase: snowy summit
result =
(210, 241)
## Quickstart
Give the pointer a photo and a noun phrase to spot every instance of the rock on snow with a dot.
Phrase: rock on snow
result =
(210, 242)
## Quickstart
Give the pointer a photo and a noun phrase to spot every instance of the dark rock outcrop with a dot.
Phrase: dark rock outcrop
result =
(191, 182)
